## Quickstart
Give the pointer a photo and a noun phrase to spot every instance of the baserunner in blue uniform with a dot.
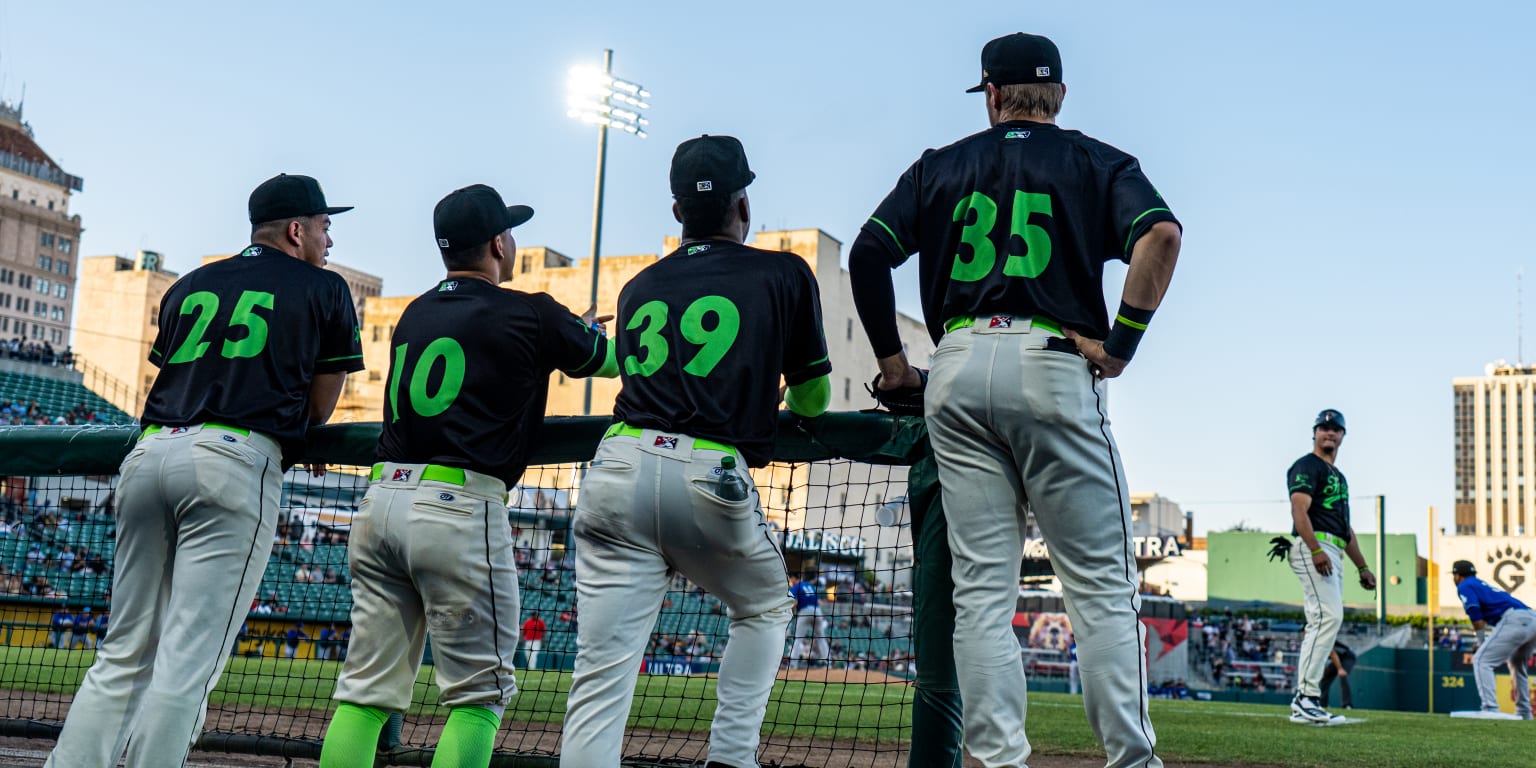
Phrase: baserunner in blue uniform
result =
(1512, 641)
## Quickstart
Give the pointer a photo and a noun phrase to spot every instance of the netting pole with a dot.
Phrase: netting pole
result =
(936, 706)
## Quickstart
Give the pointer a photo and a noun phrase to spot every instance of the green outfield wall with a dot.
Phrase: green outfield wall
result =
(1239, 571)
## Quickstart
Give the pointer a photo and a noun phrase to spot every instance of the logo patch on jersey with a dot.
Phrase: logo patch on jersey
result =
(1016, 135)
(229, 439)
(254, 250)
(179, 430)
(666, 441)
(704, 186)
(442, 242)
(1042, 71)
(445, 497)
(1000, 321)
(401, 475)
(692, 249)
(448, 285)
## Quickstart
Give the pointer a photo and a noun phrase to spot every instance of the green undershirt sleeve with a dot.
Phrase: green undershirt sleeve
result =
(610, 366)
(810, 398)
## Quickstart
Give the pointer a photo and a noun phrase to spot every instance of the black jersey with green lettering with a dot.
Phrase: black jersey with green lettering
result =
(241, 340)
(1018, 219)
(469, 375)
(1329, 491)
(704, 335)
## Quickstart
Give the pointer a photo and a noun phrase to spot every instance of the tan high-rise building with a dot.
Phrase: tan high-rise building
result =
(1496, 451)
(118, 318)
(39, 239)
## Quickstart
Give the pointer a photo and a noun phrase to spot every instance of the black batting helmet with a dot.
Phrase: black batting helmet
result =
(1330, 416)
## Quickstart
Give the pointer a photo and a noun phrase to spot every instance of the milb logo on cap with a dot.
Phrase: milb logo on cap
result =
(704, 186)
(1042, 71)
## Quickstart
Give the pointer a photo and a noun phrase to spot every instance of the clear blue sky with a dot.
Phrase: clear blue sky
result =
(1354, 178)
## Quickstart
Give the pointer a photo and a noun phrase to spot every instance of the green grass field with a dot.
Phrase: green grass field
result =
(1189, 732)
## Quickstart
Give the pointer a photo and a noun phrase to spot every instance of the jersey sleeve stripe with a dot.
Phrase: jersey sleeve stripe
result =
(894, 239)
(1119, 318)
(155, 352)
(1136, 221)
(336, 359)
(597, 340)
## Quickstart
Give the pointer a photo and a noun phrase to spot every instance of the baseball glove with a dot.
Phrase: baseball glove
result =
(1281, 549)
(902, 401)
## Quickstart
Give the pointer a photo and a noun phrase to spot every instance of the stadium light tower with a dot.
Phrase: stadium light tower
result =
(597, 97)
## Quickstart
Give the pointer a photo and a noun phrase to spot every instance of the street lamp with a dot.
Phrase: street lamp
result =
(595, 96)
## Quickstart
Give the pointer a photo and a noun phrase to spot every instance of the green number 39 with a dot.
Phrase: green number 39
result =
(979, 214)
(205, 304)
(714, 342)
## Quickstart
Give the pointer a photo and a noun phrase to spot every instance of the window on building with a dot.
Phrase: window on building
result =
(847, 383)
(58, 314)
(149, 381)
(66, 245)
(50, 205)
(15, 194)
(375, 376)
(60, 291)
(154, 316)
(45, 239)
(39, 309)
(61, 267)
(376, 332)
(44, 263)
(21, 304)
(43, 285)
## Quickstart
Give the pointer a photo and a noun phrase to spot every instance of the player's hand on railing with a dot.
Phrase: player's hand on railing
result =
(1103, 364)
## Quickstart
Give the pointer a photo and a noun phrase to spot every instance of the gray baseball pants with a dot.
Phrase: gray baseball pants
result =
(646, 511)
(1013, 423)
(810, 637)
(196, 510)
(1323, 605)
(431, 556)
(1512, 641)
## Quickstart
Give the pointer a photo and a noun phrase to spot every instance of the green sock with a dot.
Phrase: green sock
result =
(468, 738)
(352, 737)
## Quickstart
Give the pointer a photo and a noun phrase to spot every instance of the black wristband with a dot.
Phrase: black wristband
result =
(1125, 334)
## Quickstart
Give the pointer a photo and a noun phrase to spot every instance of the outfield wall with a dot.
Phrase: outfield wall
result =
(1239, 571)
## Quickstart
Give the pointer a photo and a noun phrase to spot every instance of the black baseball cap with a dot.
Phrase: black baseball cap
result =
(473, 215)
(1464, 568)
(710, 165)
(1329, 416)
(1019, 58)
(289, 196)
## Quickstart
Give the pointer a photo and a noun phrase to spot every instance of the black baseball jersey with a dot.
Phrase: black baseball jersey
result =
(704, 335)
(241, 340)
(1329, 491)
(469, 375)
(1018, 219)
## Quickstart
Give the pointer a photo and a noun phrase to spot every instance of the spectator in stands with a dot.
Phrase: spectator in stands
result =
(346, 640)
(40, 587)
(35, 553)
(301, 575)
(66, 558)
(331, 576)
(292, 638)
(99, 630)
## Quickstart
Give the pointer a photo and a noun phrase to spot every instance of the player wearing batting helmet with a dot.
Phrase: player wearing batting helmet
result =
(252, 351)
(1012, 227)
(706, 334)
(431, 549)
(1320, 523)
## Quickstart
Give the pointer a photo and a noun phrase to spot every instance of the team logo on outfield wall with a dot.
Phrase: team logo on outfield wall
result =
(1509, 566)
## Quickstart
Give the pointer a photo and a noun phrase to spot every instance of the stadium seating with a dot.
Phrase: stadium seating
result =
(55, 397)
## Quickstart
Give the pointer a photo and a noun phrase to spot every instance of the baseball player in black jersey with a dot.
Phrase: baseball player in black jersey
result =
(704, 335)
(431, 549)
(1012, 227)
(252, 351)
(1320, 523)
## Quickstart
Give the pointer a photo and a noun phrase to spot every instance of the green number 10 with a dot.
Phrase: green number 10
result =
(979, 214)
(714, 342)
(428, 405)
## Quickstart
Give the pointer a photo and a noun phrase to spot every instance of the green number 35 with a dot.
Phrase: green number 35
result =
(979, 214)
(205, 304)
(714, 342)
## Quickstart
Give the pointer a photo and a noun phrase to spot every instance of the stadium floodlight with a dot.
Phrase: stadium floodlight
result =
(594, 96)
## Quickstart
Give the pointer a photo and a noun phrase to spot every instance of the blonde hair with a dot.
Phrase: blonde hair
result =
(1026, 99)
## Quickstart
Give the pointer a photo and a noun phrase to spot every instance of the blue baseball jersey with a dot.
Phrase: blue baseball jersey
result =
(805, 595)
(1484, 602)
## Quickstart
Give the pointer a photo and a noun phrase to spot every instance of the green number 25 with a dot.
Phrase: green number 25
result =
(205, 304)
(714, 342)
(979, 214)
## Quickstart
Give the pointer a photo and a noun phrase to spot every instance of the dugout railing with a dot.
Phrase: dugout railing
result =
(848, 702)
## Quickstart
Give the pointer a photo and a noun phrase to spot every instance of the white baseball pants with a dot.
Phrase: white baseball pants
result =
(1323, 604)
